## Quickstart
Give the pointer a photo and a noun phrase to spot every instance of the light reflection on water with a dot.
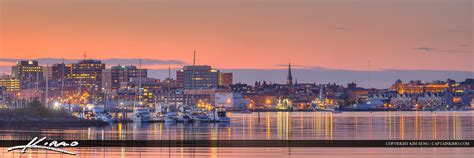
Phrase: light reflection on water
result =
(272, 126)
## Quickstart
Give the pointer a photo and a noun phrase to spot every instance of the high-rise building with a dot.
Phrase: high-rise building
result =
(47, 73)
(61, 82)
(59, 72)
(225, 79)
(197, 77)
(28, 72)
(9, 84)
(124, 74)
(86, 74)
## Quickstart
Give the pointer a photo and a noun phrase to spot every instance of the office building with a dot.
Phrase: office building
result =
(86, 74)
(225, 79)
(197, 77)
(28, 72)
(121, 74)
(9, 84)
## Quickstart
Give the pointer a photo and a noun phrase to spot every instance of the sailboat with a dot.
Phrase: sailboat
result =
(183, 115)
(141, 114)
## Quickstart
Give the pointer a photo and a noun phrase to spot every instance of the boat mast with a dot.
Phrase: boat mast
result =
(139, 81)
(169, 87)
(62, 79)
(47, 86)
(192, 78)
(369, 77)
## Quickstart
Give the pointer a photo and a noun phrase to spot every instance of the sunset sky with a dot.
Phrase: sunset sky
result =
(246, 34)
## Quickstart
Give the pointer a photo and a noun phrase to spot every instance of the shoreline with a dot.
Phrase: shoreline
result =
(53, 123)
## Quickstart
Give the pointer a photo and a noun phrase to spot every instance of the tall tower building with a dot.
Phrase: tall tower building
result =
(28, 72)
(289, 79)
(197, 77)
(87, 74)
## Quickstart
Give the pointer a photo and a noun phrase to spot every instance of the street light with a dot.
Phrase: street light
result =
(56, 105)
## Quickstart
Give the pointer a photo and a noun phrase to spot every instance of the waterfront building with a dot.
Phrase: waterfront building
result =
(149, 87)
(197, 77)
(28, 72)
(426, 100)
(230, 100)
(172, 100)
(419, 87)
(225, 79)
(259, 101)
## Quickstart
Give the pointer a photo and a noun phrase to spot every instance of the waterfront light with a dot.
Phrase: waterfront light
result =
(90, 106)
(56, 105)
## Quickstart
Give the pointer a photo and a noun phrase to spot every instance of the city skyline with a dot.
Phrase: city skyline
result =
(227, 78)
(341, 35)
(380, 79)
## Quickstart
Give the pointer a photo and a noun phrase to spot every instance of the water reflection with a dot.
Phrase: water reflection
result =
(267, 125)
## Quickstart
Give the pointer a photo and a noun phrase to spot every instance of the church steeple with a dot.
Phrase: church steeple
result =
(289, 79)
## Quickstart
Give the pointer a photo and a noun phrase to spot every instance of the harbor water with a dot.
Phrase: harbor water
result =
(409, 125)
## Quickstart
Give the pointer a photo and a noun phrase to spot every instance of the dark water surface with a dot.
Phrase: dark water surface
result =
(447, 125)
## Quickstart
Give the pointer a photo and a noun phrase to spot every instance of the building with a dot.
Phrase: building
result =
(230, 100)
(47, 72)
(124, 74)
(61, 83)
(28, 72)
(289, 78)
(417, 86)
(9, 84)
(59, 72)
(225, 79)
(351, 86)
(197, 77)
(241, 88)
(143, 89)
(107, 80)
(86, 74)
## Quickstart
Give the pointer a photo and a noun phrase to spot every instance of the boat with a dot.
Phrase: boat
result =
(219, 114)
(102, 115)
(141, 115)
(200, 116)
(170, 117)
(158, 118)
(183, 117)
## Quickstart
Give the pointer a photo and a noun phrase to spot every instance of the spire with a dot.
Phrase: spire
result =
(85, 55)
(289, 79)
